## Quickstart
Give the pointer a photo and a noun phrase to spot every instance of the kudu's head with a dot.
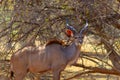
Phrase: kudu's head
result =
(77, 36)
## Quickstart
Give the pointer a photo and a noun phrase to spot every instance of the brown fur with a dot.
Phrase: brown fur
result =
(45, 58)
(55, 41)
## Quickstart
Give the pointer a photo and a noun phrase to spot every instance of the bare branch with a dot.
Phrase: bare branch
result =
(94, 70)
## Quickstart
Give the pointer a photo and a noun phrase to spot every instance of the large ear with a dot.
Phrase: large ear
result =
(69, 33)
(83, 30)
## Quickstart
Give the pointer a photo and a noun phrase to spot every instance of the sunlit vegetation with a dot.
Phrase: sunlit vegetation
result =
(34, 22)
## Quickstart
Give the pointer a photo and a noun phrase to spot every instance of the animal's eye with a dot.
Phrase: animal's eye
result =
(81, 37)
(75, 37)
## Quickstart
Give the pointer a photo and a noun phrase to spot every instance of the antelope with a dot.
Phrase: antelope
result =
(54, 56)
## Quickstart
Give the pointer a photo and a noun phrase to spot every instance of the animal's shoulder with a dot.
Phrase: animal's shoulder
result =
(55, 41)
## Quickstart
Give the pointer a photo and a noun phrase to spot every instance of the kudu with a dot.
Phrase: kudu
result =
(52, 57)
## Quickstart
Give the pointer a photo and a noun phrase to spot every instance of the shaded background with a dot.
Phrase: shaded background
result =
(34, 22)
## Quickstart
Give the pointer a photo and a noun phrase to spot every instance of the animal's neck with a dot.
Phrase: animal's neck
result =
(72, 52)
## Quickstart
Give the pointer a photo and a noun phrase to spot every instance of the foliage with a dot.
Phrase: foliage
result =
(33, 22)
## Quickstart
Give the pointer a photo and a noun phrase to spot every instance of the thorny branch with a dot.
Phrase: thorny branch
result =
(36, 20)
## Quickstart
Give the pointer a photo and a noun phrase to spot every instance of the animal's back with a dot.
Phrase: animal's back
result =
(55, 41)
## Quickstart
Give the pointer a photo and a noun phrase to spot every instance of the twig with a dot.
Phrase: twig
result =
(95, 70)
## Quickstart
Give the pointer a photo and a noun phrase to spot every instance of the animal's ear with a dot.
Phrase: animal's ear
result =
(71, 28)
(69, 33)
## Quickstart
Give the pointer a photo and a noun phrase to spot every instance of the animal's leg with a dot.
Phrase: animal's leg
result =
(56, 75)
(20, 76)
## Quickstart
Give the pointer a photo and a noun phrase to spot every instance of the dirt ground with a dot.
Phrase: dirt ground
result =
(70, 71)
